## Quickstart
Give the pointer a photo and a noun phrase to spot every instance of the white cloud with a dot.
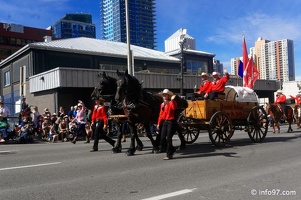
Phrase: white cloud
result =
(258, 25)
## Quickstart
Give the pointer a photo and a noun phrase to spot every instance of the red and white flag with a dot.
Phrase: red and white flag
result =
(245, 57)
(250, 74)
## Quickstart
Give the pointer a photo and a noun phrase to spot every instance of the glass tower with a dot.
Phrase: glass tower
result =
(141, 19)
(74, 25)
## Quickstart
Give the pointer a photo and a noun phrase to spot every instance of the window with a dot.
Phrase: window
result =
(7, 78)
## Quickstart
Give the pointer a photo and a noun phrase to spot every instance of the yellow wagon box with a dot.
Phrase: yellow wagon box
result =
(204, 109)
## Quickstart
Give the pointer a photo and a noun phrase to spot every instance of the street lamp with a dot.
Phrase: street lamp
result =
(181, 43)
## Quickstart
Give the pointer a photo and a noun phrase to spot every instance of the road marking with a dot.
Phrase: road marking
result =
(5, 151)
(28, 166)
(173, 194)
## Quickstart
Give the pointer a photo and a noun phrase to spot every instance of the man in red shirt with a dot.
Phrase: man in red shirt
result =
(297, 99)
(99, 120)
(218, 84)
(205, 86)
(167, 123)
(281, 100)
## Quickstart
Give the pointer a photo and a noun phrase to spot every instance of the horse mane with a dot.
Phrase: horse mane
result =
(134, 88)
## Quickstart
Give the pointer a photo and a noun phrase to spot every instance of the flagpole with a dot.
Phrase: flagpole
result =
(252, 71)
(237, 73)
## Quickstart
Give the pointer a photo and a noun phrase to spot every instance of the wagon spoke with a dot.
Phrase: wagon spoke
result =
(220, 129)
(189, 132)
(257, 124)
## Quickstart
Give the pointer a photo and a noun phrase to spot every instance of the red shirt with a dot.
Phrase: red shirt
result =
(167, 111)
(281, 99)
(219, 84)
(205, 87)
(297, 99)
(99, 113)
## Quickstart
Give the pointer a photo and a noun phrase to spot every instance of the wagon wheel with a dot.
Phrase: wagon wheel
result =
(190, 132)
(220, 129)
(257, 124)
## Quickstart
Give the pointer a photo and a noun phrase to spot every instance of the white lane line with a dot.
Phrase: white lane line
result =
(5, 151)
(173, 194)
(27, 166)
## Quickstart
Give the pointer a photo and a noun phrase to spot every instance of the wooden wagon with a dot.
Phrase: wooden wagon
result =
(237, 109)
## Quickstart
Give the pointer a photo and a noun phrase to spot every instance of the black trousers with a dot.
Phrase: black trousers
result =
(201, 96)
(213, 94)
(100, 134)
(167, 132)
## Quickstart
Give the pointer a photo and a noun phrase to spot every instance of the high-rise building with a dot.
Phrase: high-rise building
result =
(141, 20)
(74, 25)
(274, 59)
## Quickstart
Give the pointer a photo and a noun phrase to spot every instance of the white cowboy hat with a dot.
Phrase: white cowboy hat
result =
(166, 91)
(215, 74)
(204, 74)
(279, 91)
(79, 104)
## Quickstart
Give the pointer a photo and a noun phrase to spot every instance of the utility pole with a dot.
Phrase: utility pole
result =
(181, 43)
(128, 38)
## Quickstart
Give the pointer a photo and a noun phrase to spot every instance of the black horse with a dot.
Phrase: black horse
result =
(106, 89)
(139, 106)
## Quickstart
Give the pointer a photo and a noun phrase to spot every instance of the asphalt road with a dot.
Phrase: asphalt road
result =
(243, 170)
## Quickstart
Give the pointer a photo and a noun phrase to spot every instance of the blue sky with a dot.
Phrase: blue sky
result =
(217, 25)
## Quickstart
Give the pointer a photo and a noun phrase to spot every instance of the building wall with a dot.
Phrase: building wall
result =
(274, 60)
(14, 38)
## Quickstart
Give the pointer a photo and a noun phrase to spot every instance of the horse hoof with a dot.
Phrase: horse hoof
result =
(116, 150)
(139, 147)
(129, 153)
(155, 150)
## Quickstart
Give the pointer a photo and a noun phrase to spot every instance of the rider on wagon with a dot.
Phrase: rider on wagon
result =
(218, 84)
(281, 100)
(205, 86)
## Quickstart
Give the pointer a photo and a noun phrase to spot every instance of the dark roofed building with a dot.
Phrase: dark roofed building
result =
(62, 71)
